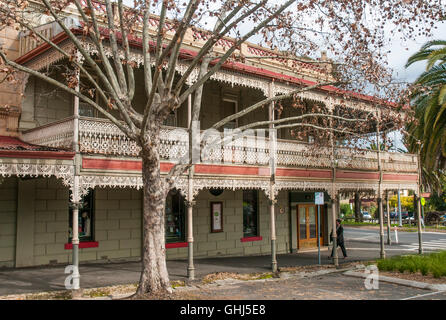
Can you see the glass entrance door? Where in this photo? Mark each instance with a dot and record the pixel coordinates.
(307, 225)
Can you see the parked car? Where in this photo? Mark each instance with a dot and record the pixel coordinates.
(407, 216)
(393, 214)
(366, 215)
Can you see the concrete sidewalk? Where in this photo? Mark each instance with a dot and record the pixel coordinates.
(38, 279)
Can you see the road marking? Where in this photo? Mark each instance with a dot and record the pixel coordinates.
(428, 245)
(423, 295)
(377, 249)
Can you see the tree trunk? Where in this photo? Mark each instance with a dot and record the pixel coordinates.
(154, 276)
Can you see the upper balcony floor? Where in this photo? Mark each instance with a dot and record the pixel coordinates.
(100, 137)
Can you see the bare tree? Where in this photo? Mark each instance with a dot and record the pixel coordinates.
(352, 31)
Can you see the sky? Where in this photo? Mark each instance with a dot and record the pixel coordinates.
(400, 51)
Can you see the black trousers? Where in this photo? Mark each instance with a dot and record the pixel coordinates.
(340, 244)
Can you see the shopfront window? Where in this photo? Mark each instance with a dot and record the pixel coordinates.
(250, 213)
(175, 213)
(85, 219)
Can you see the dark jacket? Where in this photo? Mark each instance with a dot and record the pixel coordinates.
(339, 235)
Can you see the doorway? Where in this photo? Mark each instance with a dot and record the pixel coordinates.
(307, 225)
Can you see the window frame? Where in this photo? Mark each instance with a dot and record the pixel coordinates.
(92, 209)
(182, 216)
(256, 197)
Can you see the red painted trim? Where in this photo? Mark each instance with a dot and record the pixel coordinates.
(131, 165)
(37, 154)
(176, 245)
(357, 175)
(249, 239)
(400, 177)
(88, 163)
(231, 170)
(165, 166)
(83, 245)
(303, 173)
(41, 48)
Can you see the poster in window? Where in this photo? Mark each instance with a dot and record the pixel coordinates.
(216, 216)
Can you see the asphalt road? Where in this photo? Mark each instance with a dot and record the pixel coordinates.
(407, 241)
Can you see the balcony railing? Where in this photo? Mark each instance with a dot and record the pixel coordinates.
(100, 136)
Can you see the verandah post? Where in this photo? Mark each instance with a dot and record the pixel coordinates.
(190, 202)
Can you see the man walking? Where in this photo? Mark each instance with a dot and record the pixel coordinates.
(339, 240)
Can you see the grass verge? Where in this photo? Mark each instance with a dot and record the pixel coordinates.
(428, 264)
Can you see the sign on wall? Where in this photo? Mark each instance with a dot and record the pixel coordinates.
(217, 216)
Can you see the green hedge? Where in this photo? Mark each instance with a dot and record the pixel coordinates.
(433, 263)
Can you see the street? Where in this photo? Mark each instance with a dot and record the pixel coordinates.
(361, 245)
(365, 239)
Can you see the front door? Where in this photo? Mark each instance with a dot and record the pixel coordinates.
(307, 225)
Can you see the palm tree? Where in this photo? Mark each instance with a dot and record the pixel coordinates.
(428, 133)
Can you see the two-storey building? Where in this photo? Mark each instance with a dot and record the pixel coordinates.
(40, 132)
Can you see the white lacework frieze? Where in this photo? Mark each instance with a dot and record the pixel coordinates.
(231, 184)
(51, 56)
(136, 182)
(56, 135)
(60, 171)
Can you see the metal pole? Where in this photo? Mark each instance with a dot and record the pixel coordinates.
(399, 209)
(420, 238)
(318, 234)
(418, 203)
(389, 241)
(381, 228)
(335, 251)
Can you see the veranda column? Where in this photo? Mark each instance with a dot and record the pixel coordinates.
(190, 224)
(190, 202)
(380, 203)
(389, 241)
(272, 200)
(76, 196)
(334, 194)
(75, 238)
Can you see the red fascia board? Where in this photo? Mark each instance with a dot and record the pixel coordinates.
(185, 53)
(357, 175)
(236, 170)
(83, 245)
(303, 173)
(400, 177)
(111, 164)
(62, 155)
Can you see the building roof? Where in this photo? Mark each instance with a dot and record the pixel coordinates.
(235, 66)
(14, 147)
